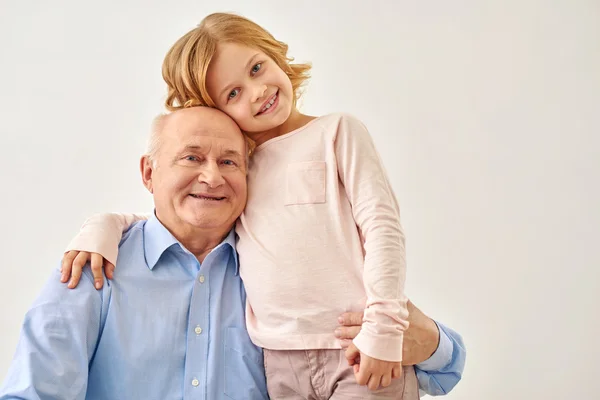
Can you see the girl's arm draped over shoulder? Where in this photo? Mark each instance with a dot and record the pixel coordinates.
(97, 240)
(377, 216)
(102, 233)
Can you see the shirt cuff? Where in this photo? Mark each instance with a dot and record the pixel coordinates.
(442, 355)
(382, 347)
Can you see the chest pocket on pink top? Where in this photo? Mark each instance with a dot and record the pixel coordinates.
(305, 183)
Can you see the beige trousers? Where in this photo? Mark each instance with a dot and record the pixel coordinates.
(325, 374)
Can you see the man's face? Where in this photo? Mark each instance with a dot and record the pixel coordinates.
(198, 177)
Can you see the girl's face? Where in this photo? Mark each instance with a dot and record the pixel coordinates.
(250, 87)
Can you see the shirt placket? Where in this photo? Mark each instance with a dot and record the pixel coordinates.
(196, 360)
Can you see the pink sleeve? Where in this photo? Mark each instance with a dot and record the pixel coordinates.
(377, 216)
(101, 233)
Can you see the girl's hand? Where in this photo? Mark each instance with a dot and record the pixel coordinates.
(420, 341)
(370, 371)
(73, 263)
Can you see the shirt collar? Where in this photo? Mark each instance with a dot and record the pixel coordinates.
(157, 240)
(230, 240)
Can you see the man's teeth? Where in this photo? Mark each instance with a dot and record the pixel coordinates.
(196, 196)
(269, 104)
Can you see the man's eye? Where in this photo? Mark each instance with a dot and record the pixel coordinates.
(233, 93)
(229, 162)
(256, 68)
(191, 158)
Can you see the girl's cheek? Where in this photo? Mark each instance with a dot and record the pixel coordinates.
(241, 113)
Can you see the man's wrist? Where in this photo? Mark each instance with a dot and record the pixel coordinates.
(442, 354)
(421, 338)
(433, 331)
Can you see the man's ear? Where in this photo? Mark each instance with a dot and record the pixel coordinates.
(147, 168)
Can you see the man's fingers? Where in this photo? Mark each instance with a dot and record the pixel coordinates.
(348, 332)
(67, 263)
(351, 319)
(78, 264)
(396, 372)
(410, 306)
(374, 382)
(109, 269)
(96, 263)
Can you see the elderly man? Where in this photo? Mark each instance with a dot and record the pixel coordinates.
(164, 328)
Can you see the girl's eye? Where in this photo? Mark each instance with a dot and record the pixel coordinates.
(256, 68)
(233, 93)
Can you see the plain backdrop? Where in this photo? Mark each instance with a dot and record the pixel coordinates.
(486, 113)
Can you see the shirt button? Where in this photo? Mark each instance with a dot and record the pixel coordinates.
(198, 330)
(195, 382)
(201, 278)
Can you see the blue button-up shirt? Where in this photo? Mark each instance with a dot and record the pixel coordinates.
(166, 327)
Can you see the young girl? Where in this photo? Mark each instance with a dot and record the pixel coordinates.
(321, 231)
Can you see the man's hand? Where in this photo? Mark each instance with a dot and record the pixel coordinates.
(421, 339)
(370, 371)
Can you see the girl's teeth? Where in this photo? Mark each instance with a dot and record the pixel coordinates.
(269, 104)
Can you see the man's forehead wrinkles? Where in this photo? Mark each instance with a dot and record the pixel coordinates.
(221, 148)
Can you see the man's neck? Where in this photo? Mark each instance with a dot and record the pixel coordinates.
(198, 241)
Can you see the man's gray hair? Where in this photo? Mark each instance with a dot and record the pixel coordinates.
(155, 140)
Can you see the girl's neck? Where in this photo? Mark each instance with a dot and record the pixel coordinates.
(295, 120)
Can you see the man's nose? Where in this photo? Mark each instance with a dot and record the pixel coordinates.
(211, 175)
(258, 92)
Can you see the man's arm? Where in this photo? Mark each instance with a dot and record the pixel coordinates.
(437, 352)
(58, 338)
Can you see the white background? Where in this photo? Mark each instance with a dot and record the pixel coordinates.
(487, 115)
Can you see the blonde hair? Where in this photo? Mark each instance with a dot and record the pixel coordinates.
(186, 64)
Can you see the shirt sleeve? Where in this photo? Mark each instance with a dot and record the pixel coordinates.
(102, 233)
(377, 217)
(57, 341)
(439, 374)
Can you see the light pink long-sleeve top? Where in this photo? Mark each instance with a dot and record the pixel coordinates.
(320, 235)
